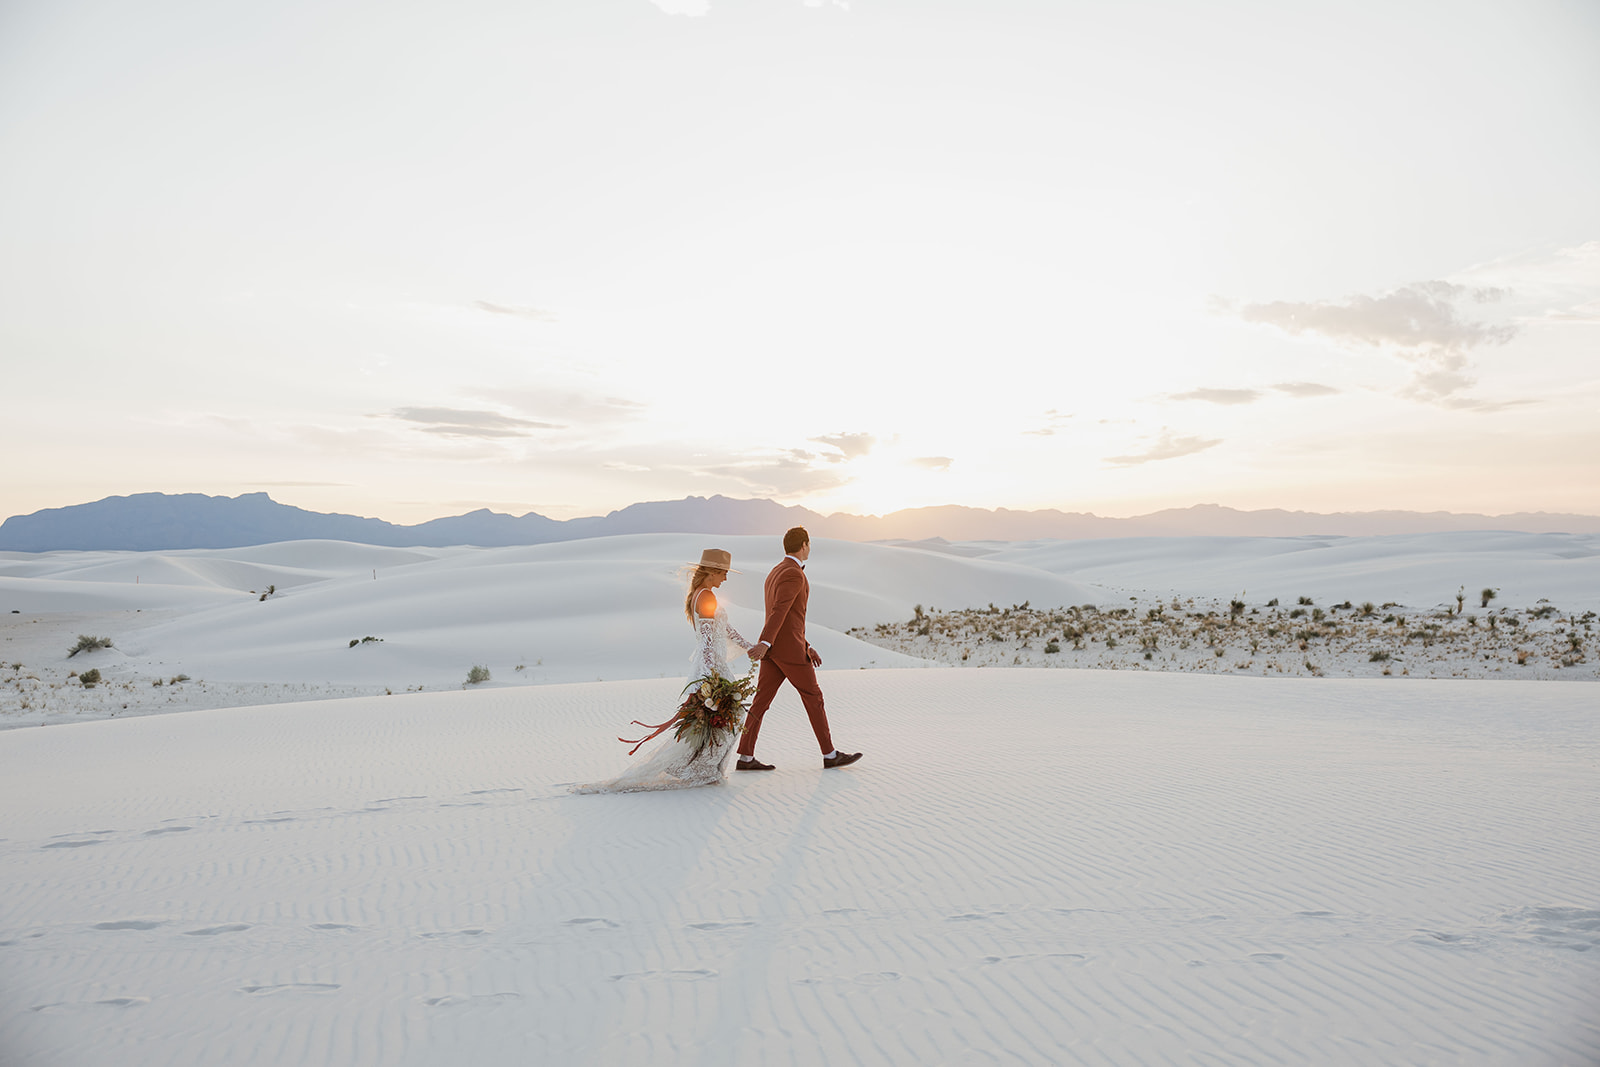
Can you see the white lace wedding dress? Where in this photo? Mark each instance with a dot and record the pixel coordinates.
(673, 764)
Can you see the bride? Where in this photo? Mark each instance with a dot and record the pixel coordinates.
(695, 756)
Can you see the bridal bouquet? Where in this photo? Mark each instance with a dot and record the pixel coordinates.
(710, 705)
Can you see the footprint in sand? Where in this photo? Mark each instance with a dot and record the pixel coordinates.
(332, 926)
(474, 932)
(1023, 957)
(864, 978)
(1577, 929)
(127, 924)
(456, 1000)
(730, 925)
(689, 975)
(299, 987)
(167, 830)
(1268, 957)
(279, 818)
(69, 844)
(111, 1002)
(213, 931)
(594, 924)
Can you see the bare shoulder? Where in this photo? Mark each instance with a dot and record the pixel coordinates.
(705, 604)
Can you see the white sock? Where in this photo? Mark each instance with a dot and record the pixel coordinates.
(832, 754)
(745, 759)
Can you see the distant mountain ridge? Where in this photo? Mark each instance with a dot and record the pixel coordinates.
(161, 521)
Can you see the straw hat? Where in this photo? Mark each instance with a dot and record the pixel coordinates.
(716, 559)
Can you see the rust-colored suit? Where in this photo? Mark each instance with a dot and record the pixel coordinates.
(788, 655)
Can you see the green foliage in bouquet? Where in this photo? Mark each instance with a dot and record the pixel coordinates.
(712, 705)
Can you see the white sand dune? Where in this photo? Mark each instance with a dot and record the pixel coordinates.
(1029, 866)
(605, 608)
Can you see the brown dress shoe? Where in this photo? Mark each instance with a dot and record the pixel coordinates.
(751, 765)
(843, 759)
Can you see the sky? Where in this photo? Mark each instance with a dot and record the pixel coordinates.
(409, 260)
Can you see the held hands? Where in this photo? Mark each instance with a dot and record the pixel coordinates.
(756, 651)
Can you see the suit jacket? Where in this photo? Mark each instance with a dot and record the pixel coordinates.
(785, 630)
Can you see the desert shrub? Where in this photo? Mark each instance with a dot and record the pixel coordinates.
(1235, 608)
(88, 644)
(176, 678)
(1053, 646)
(354, 641)
(1111, 642)
(1485, 596)
(158, 683)
(1346, 606)
(1296, 613)
(477, 674)
(1305, 601)
(90, 678)
(16, 666)
(1272, 603)
(1377, 657)
(1368, 608)
(1316, 615)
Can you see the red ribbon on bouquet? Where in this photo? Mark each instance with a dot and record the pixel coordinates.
(656, 732)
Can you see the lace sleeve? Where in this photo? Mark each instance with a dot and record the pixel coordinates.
(706, 656)
(733, 635)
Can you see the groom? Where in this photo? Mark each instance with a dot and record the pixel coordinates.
(785, 655)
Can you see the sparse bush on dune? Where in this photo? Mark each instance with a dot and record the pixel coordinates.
(1486, 595)
(1305, 601)
(88, 644)
(90, 678)
(477, 674)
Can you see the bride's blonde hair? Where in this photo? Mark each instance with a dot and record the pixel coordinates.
(697, 582)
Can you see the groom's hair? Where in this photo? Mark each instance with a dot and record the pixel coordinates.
(795, 539)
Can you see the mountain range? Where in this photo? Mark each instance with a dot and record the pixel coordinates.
(161, 521)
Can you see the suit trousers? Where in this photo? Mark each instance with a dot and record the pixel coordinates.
(801, 675)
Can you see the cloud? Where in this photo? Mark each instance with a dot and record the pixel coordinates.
(1421, 317)
(576, 409)
(1422, 323)
(1305, 389)
(536, 314)
(849, 445)
(1053, 421)
(934, 463)
(1167, 447)
(692, 8)
(1220, 396)
(788, 473)
(458, 422)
